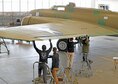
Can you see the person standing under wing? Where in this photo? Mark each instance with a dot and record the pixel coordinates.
(55, 64)
(43, 56)
(70, 51)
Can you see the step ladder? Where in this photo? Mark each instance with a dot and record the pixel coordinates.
(2, 42)
(115, 61)
(39, 80)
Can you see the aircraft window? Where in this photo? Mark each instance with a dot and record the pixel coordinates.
(61, 8)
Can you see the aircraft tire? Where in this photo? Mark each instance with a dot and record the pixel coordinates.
(62, 45)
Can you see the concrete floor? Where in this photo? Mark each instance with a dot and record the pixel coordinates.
(16, 68)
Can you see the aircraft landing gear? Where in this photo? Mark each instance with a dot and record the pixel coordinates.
(62, 45)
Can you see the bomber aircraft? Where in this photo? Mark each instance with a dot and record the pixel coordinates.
(62, 22)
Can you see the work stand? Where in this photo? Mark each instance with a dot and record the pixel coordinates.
(2, 42)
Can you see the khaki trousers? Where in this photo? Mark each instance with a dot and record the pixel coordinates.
(70, 59)
(54, 73)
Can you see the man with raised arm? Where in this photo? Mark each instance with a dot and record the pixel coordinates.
(43, 57)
